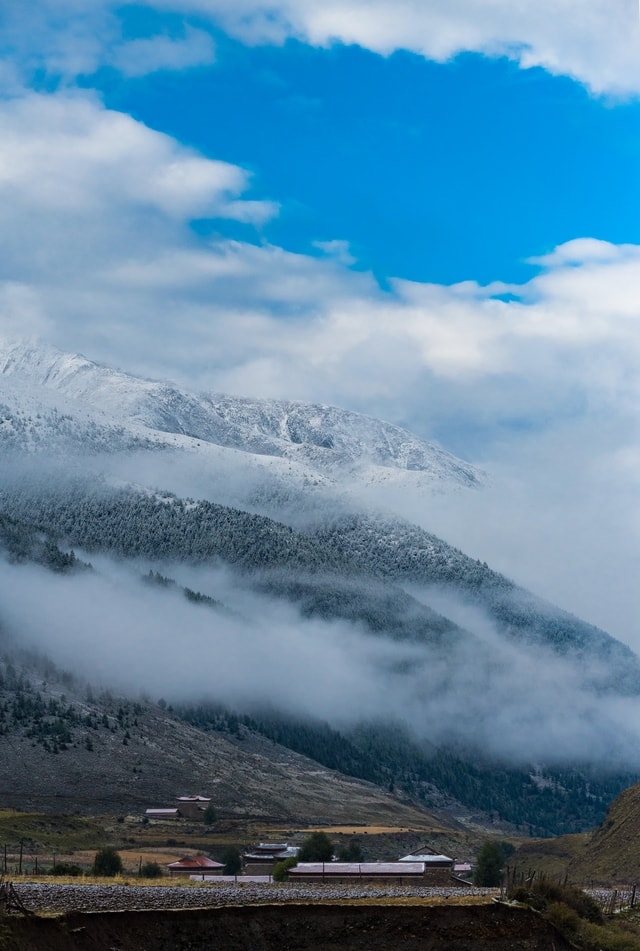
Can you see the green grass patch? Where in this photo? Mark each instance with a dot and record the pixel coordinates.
(52, 832)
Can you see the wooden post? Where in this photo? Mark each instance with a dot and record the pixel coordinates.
(20, 860)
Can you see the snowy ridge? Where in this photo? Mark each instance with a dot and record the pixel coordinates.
(324, 441)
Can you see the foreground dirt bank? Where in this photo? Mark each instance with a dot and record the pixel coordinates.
(487, 927)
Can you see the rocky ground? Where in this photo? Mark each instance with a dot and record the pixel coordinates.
(309, 918)
(64, 898)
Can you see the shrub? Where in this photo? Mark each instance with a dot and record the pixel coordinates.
(542, 893)
(68, 869)
(107, 863)
(564, 918)
(281, 869)
(151, 870)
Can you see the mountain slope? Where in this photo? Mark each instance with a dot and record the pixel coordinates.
(74, 749)
(298, 601)
(607, 854)
(353, 568)
(392, 549)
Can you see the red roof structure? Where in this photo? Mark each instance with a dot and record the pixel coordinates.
(195, 863)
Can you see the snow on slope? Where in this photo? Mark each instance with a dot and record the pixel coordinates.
(111, 409)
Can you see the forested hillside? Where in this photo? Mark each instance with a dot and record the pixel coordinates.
(325, 580)
(393, 549)
(351, 568)
(539, 802)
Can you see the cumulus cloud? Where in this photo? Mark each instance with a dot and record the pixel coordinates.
(85, 190)
(68, 154)
(596, 44)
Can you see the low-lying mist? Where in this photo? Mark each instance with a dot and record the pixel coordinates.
(114, 628)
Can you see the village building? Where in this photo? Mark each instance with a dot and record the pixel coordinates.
(430, 857)
(262, 857)
(425, 866)
(192, 807)
(187, 807)
(345, 873)
(197, 866)
(162, 814)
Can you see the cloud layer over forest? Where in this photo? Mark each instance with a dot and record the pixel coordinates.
(114, 629)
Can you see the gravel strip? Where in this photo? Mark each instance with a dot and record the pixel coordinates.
(62, 898)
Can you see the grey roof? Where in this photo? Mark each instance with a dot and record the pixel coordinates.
(429, 858)
(358, 868)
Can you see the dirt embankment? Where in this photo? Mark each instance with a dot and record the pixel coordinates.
(289, 928)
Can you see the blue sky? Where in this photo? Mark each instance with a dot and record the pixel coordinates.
(431, 171)
(424, 212)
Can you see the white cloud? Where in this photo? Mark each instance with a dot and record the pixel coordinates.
(69, 155)
(337, 249)
(150, 54)
(95, 243)
(65, 38)
(264, 652)
(596, 43)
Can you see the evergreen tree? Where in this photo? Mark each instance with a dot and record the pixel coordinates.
(209, 816)
(489, 863)
(232, 860)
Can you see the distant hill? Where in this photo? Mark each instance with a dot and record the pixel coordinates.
(609, 854)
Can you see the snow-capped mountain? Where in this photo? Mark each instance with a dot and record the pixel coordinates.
(52, 398)
(236, 534)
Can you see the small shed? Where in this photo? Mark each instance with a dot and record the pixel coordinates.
(198, 865)
(162, 814)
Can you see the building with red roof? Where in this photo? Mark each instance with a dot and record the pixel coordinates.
(196, 865)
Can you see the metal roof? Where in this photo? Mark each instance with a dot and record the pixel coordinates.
(429, 858)
(358, 868)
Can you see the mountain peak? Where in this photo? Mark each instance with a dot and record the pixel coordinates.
(327, 440)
